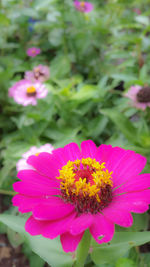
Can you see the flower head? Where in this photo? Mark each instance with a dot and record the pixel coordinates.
(74, 189)
(140, 96)
(33, 51)
(26, 93)
(22, 163)
(83, 6)
(137, 11)
(40, 73)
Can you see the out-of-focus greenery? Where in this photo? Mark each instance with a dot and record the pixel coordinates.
(93, 59)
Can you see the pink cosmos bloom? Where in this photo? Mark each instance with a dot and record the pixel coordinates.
(22, 163)
(33, 51)
(83, 6)
(40, 73)
(26, 93)
(140, 96)
(74, 189)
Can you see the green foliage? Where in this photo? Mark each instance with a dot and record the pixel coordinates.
(93, 58)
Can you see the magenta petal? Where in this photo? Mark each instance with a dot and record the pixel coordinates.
(45, 164)
(134, 202)
(72, 152)
(118, 216)
(26, 204)
(70, 242)
(52, 210)
(102, 227)
(81, 223)
(33, 177)
(135, 183)
(103, 153)
(121, 162)
(131, 164)
(58, 155)
(88, 149)
(35, 189)
(34, 227)
(54, 228)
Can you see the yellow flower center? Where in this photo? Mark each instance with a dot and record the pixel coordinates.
(31, 91)
(82, 4)
(33, 51)
(85, 181)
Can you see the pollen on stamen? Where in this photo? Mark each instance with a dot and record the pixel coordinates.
(86, 184)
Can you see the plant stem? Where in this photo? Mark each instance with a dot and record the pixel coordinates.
(7, 192)
(83, 249)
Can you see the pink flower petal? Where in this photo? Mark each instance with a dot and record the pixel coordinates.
(102, 227)
(49, 229)
(118, 215)
(34, 177)
(131, 163)
(55, 228)
(81, 223)
(45, 164)
(58, 155)
(70, 242)
(121, 162)
(134, 202)
(135, 183)
(72, 152)
(103, 153)
(34, 227)
(52, 210)
(26, 204)
(88, 149)
(35, 189)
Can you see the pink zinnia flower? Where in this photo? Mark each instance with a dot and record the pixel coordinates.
(140, 96)
(137, 11)
(40, 73)
(83, 6)
(33, 51)
(22, 163)
(74, 189)
(26, 93)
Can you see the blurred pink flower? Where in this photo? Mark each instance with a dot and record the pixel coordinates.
(40, 73)
(137, 11)
(140, 96)
(33, 51)
(83, 6)
(78, 188)
(26, 93)
(22, 163)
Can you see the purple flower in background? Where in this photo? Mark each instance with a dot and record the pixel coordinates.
(140, 96)
(26, 93)
(40, 73)
(31, 22)
(33, 51)
(84, 7)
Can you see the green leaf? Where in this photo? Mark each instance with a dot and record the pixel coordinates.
(49, 250)
(120, 244)
(124, 262)
(122, 123)
(60, 67)
(85, 92)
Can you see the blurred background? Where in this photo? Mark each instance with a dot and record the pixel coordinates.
(94, 59)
